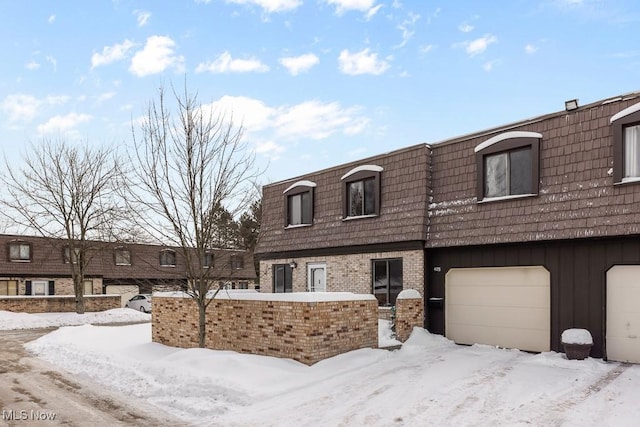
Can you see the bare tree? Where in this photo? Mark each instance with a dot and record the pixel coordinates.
(190, 163)
(65, 192)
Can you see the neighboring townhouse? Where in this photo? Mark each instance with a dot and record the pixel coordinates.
(534, 228)
(40, 266)
(359, 227)
(529, 229)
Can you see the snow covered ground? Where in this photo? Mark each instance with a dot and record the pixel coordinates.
(10, 320)
(430, 381)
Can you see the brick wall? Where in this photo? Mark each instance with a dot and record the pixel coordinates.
(301, 330)
(409, 314)
(57, 304)
(348, 273)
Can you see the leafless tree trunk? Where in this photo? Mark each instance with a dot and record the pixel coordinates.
(189, 162)
(65, 192)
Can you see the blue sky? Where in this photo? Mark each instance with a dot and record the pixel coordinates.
(316, 82)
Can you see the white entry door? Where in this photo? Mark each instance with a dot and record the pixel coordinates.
(39, 288)
(623, 313)
(317, 277)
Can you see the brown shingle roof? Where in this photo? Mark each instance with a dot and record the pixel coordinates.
(404, 198)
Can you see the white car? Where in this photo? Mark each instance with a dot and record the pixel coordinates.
(140, 302)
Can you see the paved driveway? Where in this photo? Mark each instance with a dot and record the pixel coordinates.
(32, 392)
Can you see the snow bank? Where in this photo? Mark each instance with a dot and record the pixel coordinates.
(294, 296)
(10, 320)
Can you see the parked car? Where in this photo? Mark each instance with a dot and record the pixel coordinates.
(140, 302)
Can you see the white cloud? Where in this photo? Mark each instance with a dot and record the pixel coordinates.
(479, 45)
(365, 6)
(224, 63)
(269, 6)
(32, 65)
(63, 124)
(142, 16)
(23, 108)
(362, 62)
(105, 96)
(488, 66)
(269, 148)
(157, 55)
(51, 19)
(299, 64)
(426, 48)
(465, 28)
(51, 60)
(110, 54)
(317, 120)
(310, 119)
(371, 12)
(406, 27)
(530, 49)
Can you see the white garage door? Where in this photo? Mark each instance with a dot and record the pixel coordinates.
(125, 292)
(623, 313)
(507, 307)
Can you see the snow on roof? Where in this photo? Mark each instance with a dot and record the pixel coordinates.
(372, 168)
(294, 296)
(303, 183)
(409, 294)
(629, 110)
(506, 135)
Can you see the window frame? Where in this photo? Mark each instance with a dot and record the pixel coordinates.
(19, 243)
(208, 260)
(362, 174)
(287, 276)
(88, 282)
(506, 143)
(619, 122)
(5, 286)
(121, 250)
(236, 262)
(66, 255)
(300, 188)
(167, 251)
(388, 284)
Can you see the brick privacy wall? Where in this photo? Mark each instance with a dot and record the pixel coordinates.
(58, 304)
(304, 331)
(409, 314)
(576, 198)
(348, 273)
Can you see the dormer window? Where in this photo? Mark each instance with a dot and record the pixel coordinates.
(237, 262)
(71, 255)
(299, 204)
(361, 192)
(19, 252)
(122, 256)
(626, 144)
(508, 166)
(208, 260)
(167, 258)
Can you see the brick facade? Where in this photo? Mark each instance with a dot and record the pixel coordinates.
(57, 304)
(348, 273)
(409, 314)
(304, 331)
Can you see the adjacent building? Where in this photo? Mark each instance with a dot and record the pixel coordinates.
(40, 266)
(512, 234)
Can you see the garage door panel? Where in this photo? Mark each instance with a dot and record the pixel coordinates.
(516, 317)
(507, 307)
(529, 340)
(623, 313)
(502, 296)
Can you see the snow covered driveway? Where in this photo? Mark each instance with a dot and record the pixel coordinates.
(430, 381)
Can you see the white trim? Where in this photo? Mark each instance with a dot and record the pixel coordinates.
(297, 226)
(506, 135)
(349, 218)
(509, 197)
(625, 112)
(303, 183)
(372, 168)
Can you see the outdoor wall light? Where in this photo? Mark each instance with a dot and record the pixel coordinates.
(293, 264)
(571, 105)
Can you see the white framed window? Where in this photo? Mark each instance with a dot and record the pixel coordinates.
(19, 252)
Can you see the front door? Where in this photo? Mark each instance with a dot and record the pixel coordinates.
(40, 288)
(317, 277)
